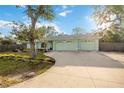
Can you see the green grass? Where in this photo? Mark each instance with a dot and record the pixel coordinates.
(14, 66)
(9, 66)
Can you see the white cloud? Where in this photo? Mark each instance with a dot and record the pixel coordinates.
(5, 27)
(8, 24)
(57, 29)
(64, 13)
(64, 7)
(4, 24)
(23, 6)
(67, 6)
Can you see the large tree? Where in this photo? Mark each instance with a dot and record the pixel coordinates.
(35, 13)
(42, 33)
(108, 13)
(111, 16)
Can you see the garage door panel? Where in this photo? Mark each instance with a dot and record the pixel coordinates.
(65, 46)
(91, 45)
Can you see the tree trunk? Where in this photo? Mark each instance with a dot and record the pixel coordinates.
(33, 52)
(32, 40)
(32, 32)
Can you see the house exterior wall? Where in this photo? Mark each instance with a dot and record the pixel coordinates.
(70, 45)
(28, 46)
(37, 45)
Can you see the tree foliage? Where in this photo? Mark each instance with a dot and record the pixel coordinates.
(22, 32)
(35, 13)
(112, 35)
(113, 15)
(105, 14)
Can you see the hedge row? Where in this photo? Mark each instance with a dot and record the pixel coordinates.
(13, 48)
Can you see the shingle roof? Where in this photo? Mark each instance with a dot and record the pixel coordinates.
(71, 37)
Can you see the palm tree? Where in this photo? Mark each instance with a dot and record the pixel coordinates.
(35, 13)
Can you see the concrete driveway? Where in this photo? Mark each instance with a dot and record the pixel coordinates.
(79, 69)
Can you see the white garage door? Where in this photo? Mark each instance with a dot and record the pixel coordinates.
(65, 45)
(76, 45)
(89, 45)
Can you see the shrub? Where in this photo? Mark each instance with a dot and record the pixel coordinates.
(14, 57)
(12, 47)
(3, 48)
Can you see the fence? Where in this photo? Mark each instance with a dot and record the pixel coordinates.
(107, 46)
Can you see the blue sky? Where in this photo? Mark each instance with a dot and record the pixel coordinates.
(67, 17)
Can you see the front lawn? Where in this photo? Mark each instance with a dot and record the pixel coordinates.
(17, 67)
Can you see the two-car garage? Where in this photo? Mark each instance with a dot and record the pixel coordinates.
(75, 45)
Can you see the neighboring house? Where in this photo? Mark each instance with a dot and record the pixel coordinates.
(71, 43)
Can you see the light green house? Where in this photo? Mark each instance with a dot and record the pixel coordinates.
(38, 44)
(86, 42)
